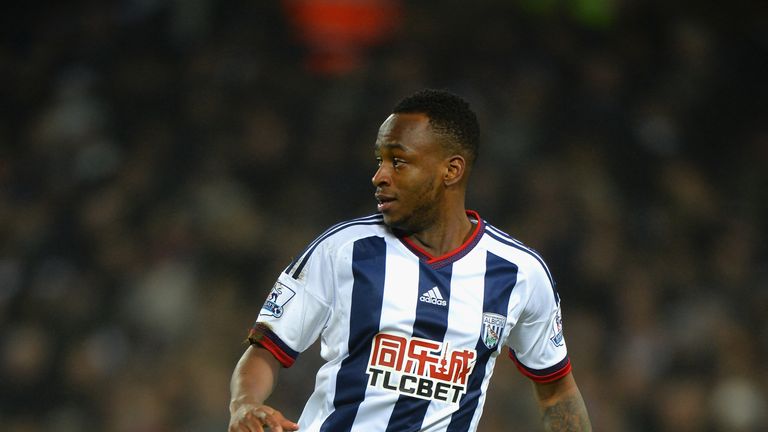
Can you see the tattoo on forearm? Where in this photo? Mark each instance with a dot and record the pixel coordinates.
(567, 415)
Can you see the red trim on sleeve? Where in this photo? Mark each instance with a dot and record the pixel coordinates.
(548, 376)
(263, 340)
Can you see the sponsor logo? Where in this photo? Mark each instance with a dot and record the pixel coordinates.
(557, 329)
(493, 326)
(419, 368)
(278, 297)
(433, 296)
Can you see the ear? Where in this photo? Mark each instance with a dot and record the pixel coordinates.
(455, 170)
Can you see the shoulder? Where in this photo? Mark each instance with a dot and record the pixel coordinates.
(352, 229)
(527, 259)
(338, 235)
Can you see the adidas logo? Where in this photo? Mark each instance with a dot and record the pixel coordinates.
(433, 296)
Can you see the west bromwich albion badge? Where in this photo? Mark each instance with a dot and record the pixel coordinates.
(493, 326)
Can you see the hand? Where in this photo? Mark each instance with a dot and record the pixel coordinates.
(249, 418)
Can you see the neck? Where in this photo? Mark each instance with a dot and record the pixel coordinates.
(446, 235)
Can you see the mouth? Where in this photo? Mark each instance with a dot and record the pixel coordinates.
(384, 202)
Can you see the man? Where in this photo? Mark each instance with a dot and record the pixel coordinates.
(414, 304)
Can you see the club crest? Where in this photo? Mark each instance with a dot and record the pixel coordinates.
(278, 297)
(493, 326)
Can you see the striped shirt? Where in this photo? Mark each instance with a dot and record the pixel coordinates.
(410, 340)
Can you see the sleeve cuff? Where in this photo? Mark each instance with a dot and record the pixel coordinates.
(263, 336)
(549, 374)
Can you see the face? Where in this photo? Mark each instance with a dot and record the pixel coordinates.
(409, 178)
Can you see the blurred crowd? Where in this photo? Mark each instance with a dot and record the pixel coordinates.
(161, 162)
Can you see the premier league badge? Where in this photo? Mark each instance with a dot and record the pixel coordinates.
(557, 329)
(278, 297)
(493, 326)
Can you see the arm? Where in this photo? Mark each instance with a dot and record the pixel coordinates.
(252, 382)
(562, 406)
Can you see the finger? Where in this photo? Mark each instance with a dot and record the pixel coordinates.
(290, 426)
(261, 420)
(286, 424)
(265, 411)
(253, 422)
(242, 426)
(249, 427)
(283, 423)
(237, 428)
(271, 422)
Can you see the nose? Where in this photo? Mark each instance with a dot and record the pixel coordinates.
(381, 176)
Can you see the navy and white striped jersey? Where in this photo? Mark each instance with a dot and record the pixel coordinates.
(410, 340)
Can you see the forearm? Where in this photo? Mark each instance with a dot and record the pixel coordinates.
(252, 382)
(562, 406)
(253, 379)
(566, 414)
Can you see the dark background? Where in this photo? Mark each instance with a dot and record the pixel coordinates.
(162, 161)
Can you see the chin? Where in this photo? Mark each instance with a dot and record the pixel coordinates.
(393, 222)
(402, 227)
(390, 221)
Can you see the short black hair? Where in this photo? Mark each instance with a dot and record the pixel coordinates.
(449, 116)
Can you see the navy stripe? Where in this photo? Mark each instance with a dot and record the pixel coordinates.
(431, 323)
(509, 241)
(369, 220)
(500, 279)
(368, 270)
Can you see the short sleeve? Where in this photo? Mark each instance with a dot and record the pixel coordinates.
(296, 309)
(536, 343)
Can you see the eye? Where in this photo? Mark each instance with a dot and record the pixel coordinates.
(396, 163)
(378, 161)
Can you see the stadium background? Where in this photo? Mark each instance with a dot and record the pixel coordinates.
(161, 161)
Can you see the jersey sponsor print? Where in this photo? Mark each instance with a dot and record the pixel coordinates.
(419, 367)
